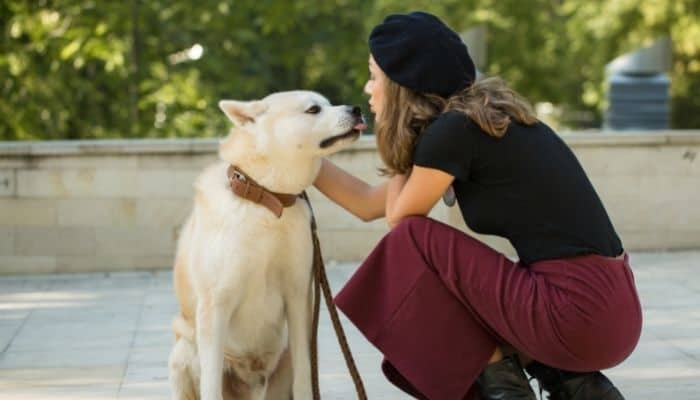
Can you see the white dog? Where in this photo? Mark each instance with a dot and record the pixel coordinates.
(242, 274)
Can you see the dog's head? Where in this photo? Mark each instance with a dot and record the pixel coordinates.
(281, 139)
(295, 124)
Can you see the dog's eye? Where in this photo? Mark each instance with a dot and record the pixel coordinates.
(313, 110)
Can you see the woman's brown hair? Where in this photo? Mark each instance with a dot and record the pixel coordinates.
(489, 102)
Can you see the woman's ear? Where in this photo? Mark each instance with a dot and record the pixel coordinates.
(242, 112)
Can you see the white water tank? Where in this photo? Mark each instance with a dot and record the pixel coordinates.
(638, 89)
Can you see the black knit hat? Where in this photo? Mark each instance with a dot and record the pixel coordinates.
(420, 52)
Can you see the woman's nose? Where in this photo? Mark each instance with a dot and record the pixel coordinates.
(368, 88)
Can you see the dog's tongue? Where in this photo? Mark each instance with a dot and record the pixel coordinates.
(360, 126)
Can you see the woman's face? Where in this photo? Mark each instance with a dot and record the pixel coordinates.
(375, 88)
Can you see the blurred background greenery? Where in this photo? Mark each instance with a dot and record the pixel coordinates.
(152, 68)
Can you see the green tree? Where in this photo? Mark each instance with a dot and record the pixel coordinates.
(98, 69)
(89, 69)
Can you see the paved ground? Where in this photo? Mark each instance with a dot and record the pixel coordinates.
(106, 336)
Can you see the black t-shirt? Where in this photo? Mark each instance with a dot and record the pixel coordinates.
(527, 187)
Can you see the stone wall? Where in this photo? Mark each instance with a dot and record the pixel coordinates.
(118, 205)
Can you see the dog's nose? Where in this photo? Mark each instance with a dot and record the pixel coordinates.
(355, 110)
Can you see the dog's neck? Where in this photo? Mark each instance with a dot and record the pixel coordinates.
(244, 186)
(270, 171)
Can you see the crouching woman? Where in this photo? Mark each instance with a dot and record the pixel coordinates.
(454, 318)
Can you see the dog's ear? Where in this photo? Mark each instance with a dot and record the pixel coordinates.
(242, 112)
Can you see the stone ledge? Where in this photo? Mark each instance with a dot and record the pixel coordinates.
(632, 138)
(367, 142)
(103, 147)
(127, 146)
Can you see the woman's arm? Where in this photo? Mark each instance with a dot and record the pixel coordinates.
(365, 201)
(394, 188)
(416, 194)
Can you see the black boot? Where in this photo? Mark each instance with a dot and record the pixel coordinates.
(566, 385)
(505, 380)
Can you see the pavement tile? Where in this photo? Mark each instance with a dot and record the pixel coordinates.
(155, 390)
(673, 323)
(689, 346)
(8, 329)
(152, 339)
(52, 377)
(70, 344)
(151, 356)
(62, 358)
(87, 392)
(146, 373)
(75, 335)
(667, 388)
(107, 336)
(11, 315)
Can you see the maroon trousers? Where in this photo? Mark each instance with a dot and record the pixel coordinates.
(437, 302)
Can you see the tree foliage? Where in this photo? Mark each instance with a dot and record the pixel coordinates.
(98, 69)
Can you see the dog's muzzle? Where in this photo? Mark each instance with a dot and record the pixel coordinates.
(353, 133)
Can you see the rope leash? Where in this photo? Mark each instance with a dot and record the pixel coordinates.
(321, 281)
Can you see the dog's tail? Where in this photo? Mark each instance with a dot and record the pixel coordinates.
(183, 329)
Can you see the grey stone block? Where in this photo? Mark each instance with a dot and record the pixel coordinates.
(134, 241)
(52, 241)
(19, 264)
(27, 212)
(7, 240)
(7, 183)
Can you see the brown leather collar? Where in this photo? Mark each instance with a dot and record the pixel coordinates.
(244, 186)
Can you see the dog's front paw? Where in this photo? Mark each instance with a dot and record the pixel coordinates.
(211, 395)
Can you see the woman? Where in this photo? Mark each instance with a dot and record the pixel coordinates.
(452, 316)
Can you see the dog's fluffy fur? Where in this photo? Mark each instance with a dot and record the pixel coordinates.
(243, 276)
